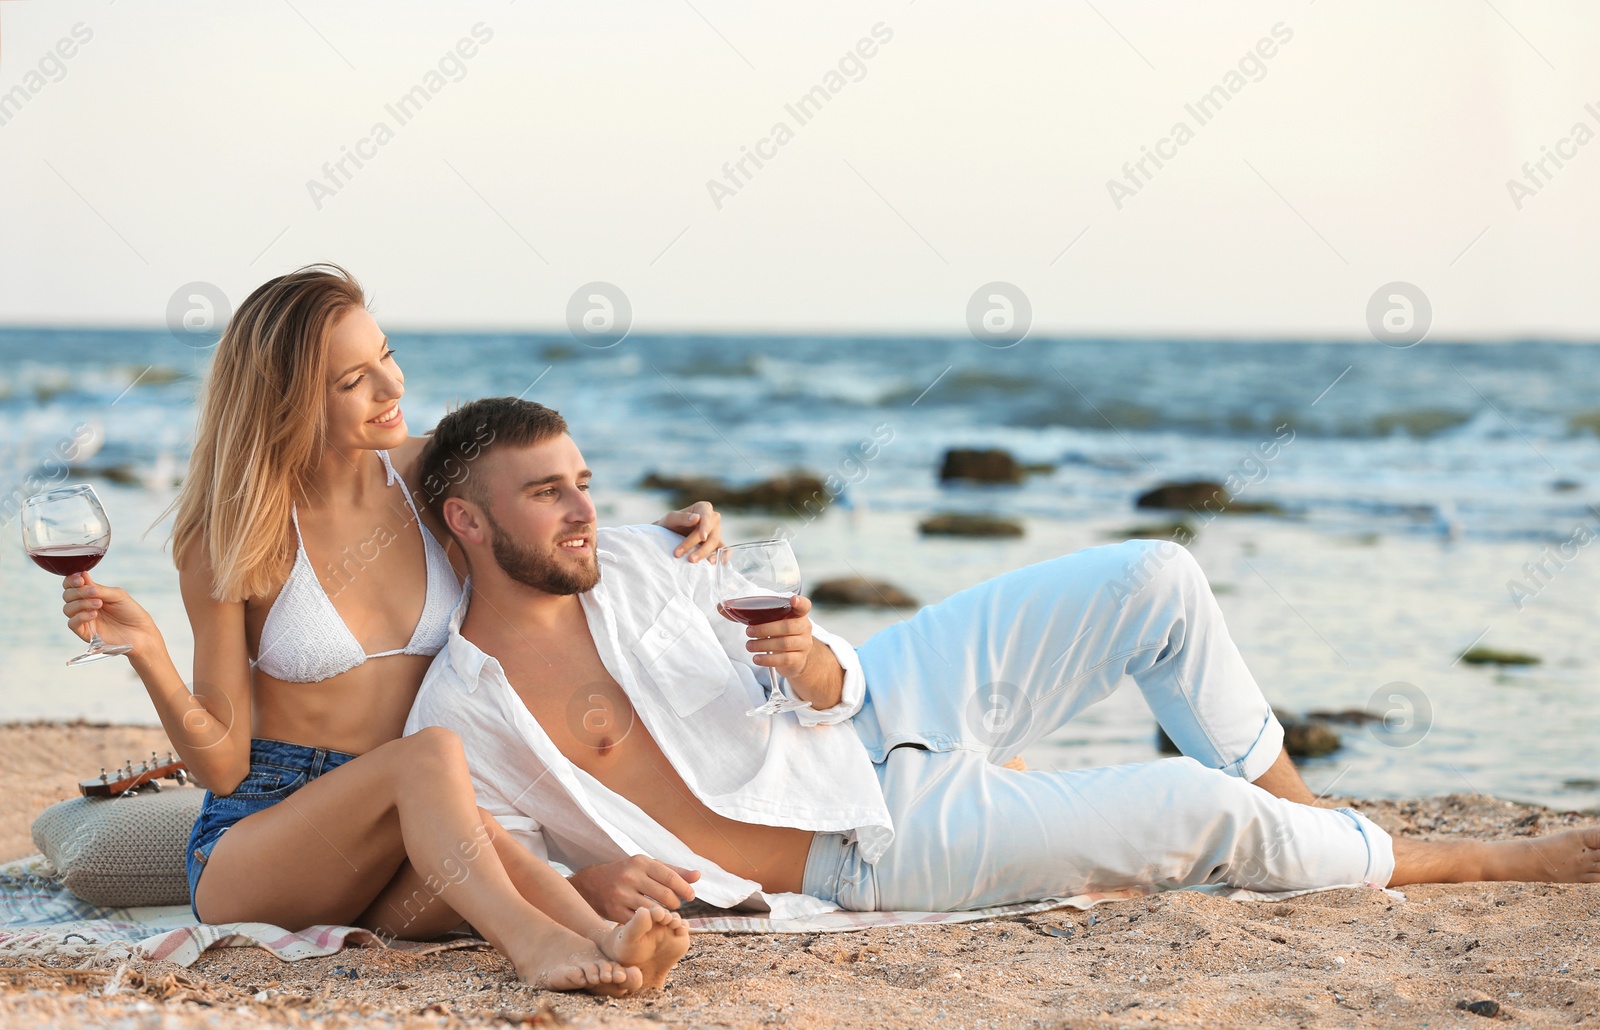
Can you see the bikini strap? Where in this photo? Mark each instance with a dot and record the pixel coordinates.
(393, 476)
(389, 468)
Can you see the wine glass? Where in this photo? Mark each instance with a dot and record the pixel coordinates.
(66, 531)
(756, 584)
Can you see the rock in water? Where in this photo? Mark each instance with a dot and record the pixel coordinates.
(1203, 495)
(1309, 740)
(956, 524)
(857, 591)
(1348, 716)
(1195, 494)
(1178, 531)
(1301, 739)
(1489, 656)
(797, 494)
(980, 466)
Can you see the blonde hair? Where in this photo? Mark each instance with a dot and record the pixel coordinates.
(262, 428)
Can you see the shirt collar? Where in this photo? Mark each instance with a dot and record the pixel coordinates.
(466, 658)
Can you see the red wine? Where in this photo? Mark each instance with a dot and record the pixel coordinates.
(67, 561)
(756, 611)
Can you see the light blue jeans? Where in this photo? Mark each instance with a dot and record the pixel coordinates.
(966, 684)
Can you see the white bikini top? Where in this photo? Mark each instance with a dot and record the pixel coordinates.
(304, 640)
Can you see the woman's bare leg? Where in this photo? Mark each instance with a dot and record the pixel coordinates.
(325, 852)
(654, 939)
(1572, 856)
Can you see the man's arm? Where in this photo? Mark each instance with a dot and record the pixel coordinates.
(831, 672)
(822, 667)
(618, 889)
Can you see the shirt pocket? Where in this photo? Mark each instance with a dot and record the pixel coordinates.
(682, 657)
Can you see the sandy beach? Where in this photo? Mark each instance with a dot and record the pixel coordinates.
(1340, 958)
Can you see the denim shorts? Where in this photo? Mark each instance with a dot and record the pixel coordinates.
(277, 769)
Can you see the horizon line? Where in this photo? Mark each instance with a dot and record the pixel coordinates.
(843, 334)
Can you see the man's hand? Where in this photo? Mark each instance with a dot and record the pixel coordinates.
(787, 647)
(700, 525)
(784, 646)
(617, 889)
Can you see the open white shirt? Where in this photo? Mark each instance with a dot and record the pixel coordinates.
(690, 679)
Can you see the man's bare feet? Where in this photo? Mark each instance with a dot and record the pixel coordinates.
(653, 941)
(1572, 856)
(560, 960)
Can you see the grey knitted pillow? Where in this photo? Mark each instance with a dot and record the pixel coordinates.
(122, 852)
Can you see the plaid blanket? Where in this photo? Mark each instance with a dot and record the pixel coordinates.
(40, 918)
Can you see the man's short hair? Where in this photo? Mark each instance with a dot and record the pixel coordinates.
(465, 435)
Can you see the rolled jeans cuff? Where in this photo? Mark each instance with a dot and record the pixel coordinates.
(836, 874)
(1380, 848)
(1255, 762)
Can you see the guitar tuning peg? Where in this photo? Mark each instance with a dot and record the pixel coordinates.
(103, 777)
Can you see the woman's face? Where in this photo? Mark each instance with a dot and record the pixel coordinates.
(364, 386)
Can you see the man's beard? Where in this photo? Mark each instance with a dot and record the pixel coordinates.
(540, 569)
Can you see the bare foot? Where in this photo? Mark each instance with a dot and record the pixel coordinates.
(569, 963)
(653, 940)
(1572, 856)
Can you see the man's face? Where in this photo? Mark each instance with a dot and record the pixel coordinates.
(540, 515)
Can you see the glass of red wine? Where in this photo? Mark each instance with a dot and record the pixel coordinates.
(757, 584)
(66, 531)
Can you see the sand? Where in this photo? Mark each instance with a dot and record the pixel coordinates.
(1340, 958)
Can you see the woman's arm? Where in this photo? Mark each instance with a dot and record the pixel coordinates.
(209, 727)
(700, 526)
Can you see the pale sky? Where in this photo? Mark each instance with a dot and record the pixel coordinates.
(974, 145)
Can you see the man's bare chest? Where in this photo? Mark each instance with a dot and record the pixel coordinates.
(581, 707)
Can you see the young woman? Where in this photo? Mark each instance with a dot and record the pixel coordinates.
(298, 542)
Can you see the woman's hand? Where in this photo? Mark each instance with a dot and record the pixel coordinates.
(91, 607)
(700, 525)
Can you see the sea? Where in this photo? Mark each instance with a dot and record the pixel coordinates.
(1420, 502)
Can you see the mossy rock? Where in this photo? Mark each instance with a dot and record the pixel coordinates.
(980, 466)
(799, 494)
(1419, 423)
(1347, 716)
(1301, 739)
(1489, 656)
(1191, 494)
(958, 524)
(1178, 531)
(1585, 421)
(1310, 740)
(860, 592)
(1203, 495)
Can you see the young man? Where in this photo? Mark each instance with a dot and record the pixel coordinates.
(602, 702)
